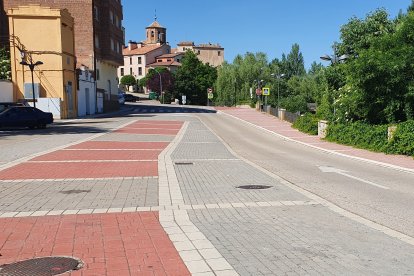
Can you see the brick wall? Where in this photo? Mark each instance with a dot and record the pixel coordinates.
(82, 11)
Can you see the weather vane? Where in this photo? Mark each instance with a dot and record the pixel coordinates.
(155, 15)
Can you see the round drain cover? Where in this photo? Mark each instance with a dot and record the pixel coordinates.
(45, 266)
(254, 187)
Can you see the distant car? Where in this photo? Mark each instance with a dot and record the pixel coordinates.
(25, 116)
(121, 98)
(130, 98)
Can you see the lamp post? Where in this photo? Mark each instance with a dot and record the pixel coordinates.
(235, 93)
(32, 66)
(162, 94)
(278, 77)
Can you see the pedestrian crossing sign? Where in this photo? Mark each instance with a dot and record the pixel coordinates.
(266, 91)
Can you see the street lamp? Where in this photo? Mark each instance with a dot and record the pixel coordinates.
(278, 77)
(334, 58)
(162, 94)
(32, 66)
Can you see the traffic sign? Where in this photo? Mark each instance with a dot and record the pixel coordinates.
(184, 99)
(258, 91)
(266, 91)
(210, 96)
(210, 90)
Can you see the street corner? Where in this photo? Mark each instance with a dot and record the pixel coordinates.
(108, 244)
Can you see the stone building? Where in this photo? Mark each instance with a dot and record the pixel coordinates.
(212, 54)
(99, 40)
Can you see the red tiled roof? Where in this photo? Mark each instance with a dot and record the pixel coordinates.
(169, 63)
(186, 43)
(170, 55)
(140, 51)
(155, 24)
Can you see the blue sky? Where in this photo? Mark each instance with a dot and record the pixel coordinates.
(240, 26)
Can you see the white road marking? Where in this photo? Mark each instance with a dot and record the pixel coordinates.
(344, 173)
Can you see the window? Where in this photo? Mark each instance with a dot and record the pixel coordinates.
(219, 53)
(96, 41)
(139, 71)
(152, 34)
(159, 60)
(168, 59)
(112, 45)
(122, 71)
(130, 71)
(198, 52)
(130, 60)
(116, 21)
(97, 74)
(111, 17)
(178, 60)
(95, 13)
(68, 60)
(139, 60)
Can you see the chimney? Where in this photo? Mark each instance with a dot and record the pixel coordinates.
(132, 45)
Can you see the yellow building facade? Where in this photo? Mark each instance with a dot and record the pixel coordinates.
(47, 35)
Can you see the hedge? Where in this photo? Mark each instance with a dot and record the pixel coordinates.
(374, 137)
(307, 123)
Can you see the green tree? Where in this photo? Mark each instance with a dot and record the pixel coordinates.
(5, 68)
(295, 64)
(128, 80)
(193, 78)
(358, 34)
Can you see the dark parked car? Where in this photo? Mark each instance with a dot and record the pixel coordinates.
(130, 98)
(4, 105)
(25, 116)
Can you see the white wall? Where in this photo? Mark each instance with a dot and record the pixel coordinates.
(86, 103)
(107, 72)
(49, 105)
(6, 91)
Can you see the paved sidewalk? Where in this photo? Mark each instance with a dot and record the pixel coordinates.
(283, 128)
(96, 201)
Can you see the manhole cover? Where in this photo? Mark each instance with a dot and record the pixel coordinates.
(254, 187)
(46, 266)
(184, 163)
(70, 192)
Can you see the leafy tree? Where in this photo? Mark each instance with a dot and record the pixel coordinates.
(128, 80)
(5, 68)
(294, 62)
(193, 78)
(153, 80)
(358, 34)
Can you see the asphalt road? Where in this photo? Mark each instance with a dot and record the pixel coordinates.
(379, 194)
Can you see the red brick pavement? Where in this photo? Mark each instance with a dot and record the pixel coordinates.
(120, 145)
(151, 122)
(148, 125)
(155, 131)
(59, 170)
(284, 128)
(68, 155)
(109, 244)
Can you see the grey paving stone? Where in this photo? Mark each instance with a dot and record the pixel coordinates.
(301, 240)
(28, 196)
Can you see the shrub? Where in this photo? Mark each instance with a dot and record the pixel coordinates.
(307, 123)
(403, 139)
(358, 134)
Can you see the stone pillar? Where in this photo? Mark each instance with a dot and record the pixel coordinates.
(391, 132)
(322, 126)
(282, 114)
